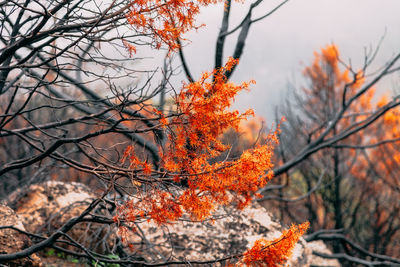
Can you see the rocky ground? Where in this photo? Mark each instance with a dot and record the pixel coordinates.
(42, 208)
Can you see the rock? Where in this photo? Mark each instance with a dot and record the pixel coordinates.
(38, 204)
(45, 207)
(12, 241)
(231, 234)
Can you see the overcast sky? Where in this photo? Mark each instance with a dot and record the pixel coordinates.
(280, 46)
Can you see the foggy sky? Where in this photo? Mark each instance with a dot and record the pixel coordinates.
(279, 47)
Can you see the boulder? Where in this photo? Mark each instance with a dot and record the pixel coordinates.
(230, 233)
(12, 241)
(45, 207)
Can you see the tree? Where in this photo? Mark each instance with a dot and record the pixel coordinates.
(348, 186)
(57, 118)
(60, 62)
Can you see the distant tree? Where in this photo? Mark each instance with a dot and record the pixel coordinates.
(350, 184)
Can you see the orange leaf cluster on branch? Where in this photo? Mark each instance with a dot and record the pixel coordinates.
(202, 115)
(163, 21)
(276, 252)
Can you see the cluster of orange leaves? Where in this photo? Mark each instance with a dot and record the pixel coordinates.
(276, 252)
(386, 157)
(193, 141)
(163, 21)
(202, 116)
(327, 82)
(327, 85)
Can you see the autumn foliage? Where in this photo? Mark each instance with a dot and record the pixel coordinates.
(201, 115)
(359, 191)
(276, 252)
(381, 139)
(163, 21)
(77, 104)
